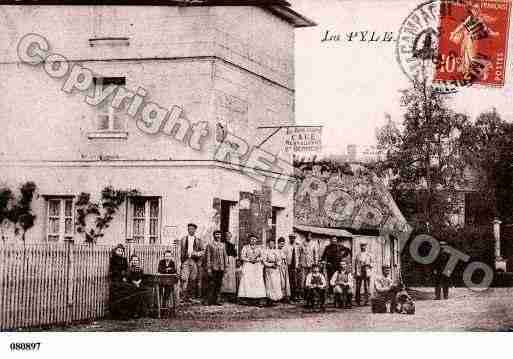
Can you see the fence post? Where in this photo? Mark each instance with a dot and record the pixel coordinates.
(70, 279)
(24, 279)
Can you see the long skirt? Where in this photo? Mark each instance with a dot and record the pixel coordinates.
(229, 279)
(119, 299)
(126, 300)
(273, 284)
(285, 281)
(252, 281)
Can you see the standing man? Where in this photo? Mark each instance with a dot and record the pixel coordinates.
(332, 256)
(345, 253)
(442, 282)
(363, 264)
(292, 257)
(192, 251)
(308, 257)
(216, 263)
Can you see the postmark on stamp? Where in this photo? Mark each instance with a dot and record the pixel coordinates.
(417, 45)
(473, 41)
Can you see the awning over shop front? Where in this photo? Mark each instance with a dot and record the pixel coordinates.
(333, 232)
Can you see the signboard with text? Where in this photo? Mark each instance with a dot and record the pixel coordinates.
(303, 139)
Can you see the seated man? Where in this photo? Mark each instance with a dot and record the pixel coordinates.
(166, 266)
(315, 285)
(342, 283)
(384, 291)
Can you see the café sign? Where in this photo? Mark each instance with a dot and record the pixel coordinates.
(303, 139)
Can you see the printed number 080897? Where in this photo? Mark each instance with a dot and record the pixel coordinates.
(25, 346)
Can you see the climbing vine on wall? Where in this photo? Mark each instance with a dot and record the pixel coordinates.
(104, 211)
(18, 210)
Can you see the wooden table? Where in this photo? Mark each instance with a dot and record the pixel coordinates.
(157, 281)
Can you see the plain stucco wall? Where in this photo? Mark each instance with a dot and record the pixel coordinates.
(212, 61)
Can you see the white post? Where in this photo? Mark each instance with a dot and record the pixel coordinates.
(497, 237)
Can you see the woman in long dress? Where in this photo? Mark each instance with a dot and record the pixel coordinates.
(119, 289)
(229, 286)
(252, 286)
(272, 261)
(284, 270)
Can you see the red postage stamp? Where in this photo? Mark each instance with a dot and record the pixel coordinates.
(473, 42)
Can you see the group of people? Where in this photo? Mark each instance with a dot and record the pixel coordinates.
(261, 276)
(127, 294)
(208, 270)
(280, 272)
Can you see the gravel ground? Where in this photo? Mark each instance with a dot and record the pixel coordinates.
(465, 310)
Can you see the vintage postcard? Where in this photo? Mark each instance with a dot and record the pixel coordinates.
(255, 165)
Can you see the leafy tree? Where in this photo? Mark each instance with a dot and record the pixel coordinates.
(18, 211)
(6, 198)
(424, 161)
(490, 150)
(22, 209)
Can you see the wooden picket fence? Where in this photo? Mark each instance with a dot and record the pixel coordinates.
(59, 283)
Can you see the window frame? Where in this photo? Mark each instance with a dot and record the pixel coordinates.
(130, 219)
(62, 217)
(111, 132)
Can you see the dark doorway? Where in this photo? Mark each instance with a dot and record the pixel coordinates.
(274, 221)
(225, 215)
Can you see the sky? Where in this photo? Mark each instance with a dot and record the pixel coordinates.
(349, 86)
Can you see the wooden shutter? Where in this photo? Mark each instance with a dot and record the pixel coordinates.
(129, 219)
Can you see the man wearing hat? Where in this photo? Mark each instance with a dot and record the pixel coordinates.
(292, 256)
(442, 282)
(216, 260)
(192, 251)
(308, 256)
(363, 266)
(333, 254)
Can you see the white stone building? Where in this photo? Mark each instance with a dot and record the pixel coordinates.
(227, 64)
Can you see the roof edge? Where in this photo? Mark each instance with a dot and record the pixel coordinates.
(151, 2)
(280, 8)
(291, 16)
(326, 231)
